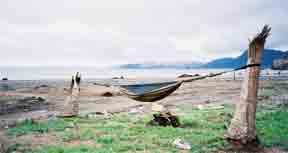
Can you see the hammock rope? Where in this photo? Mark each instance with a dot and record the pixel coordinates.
(220, 73)
(151, 92)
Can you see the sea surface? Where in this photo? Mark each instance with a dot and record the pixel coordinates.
(44, 73)
(39, 73)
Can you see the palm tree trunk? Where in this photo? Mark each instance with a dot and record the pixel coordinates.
(243, 126)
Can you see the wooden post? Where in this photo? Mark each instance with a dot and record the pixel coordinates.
(71, 106)
(4, 143)
(243, 126)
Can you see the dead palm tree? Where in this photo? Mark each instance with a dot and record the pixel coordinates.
(243, 126)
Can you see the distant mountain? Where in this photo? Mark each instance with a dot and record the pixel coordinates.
(162, 66)
(267, 60)
(269, 55)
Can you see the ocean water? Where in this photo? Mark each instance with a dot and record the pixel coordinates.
(47, 73)
(43, 73)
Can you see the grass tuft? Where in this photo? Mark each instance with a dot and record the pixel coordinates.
(28, 126)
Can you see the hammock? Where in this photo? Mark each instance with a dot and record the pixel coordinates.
(151, 92)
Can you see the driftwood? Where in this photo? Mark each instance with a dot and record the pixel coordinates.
(71, 106)
(243, 126)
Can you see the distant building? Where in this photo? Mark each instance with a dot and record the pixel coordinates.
(280, 64)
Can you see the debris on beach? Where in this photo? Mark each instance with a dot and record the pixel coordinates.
(187, 75)
(210, 107)
(118, 77)
(165, 119)
(136, 110)
(32, 99)
(182, 144)
(14, 105)
(98, 115)
(107, 94)
(5, 79)
(43, 116)
(41, 86)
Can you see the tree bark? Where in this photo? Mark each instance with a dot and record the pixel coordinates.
(71, 106)
(243, 125)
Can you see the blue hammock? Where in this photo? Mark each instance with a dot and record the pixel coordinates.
(151, 92)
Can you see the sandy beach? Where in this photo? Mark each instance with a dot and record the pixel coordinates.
(49, 95)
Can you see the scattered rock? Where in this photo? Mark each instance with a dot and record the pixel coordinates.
(40, 99)
(32, 99)
(118, 77)
(182, 144)
(93, 115)
(136, 110)
(23, 104)
(188, 75)
(209, 107)
(4, 79)
(43, 86)
(207, 102)
(101, 84)
(165, 119)
(107, 94)
(44, 116)
(7, 124)
(212, 74)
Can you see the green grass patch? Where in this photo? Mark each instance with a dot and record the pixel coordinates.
(129, 133)
(272, 128)
(267, 92)
(125, 133)
(28, 126)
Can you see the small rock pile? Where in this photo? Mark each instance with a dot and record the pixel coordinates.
(165, 119)
(23, 104)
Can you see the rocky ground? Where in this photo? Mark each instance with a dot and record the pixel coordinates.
(21, 98)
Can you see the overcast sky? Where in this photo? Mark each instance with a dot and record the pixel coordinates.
(107, 32)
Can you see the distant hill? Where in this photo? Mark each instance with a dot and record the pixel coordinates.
(269, 55)
(162, 66)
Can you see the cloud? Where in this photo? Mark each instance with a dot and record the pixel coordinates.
(75, 32)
